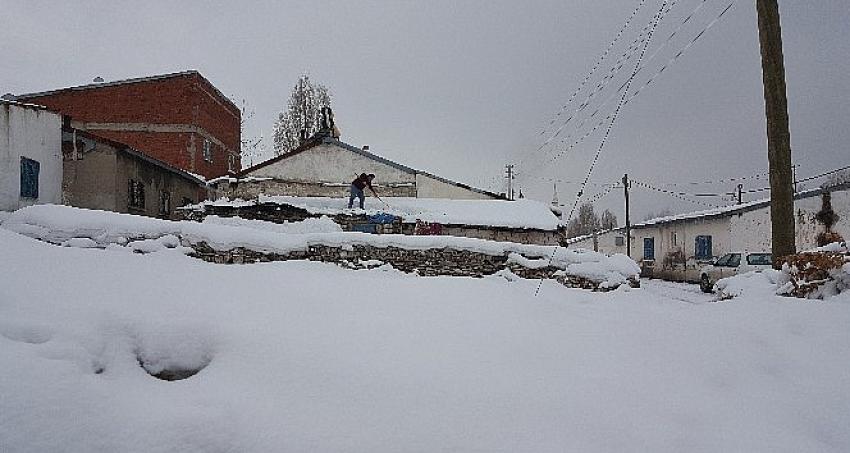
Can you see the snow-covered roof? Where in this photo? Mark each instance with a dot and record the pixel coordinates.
(722, 211)
(527, 214)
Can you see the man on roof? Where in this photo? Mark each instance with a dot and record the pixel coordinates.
(363, 181)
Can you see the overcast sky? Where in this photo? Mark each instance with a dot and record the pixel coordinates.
(463, 88)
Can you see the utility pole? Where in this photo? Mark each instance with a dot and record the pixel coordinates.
(778, 135)
(509, 170)
(628, 222)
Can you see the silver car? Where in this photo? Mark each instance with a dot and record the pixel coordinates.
(732, 264)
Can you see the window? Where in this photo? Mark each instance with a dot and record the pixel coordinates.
(734, 260)
(208, 151)
(29, 177)
(759, 259)
(674, 238)
(702, 247)
(231, 162)
(136, 195)
(723, 260)
(649, 248)
(186, 201)
(164, 203)
(619, 241)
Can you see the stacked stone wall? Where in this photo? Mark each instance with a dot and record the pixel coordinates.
(428, 262)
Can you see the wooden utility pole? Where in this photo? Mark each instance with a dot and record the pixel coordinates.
(778, 135)
(628, 222)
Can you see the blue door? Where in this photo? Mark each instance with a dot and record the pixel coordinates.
(649, 248)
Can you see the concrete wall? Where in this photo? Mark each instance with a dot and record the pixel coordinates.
(428, 187)
(35, 134)
(328, 163)
(247, 190)
(90, 178)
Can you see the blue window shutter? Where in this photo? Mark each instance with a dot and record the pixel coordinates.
(649, 248)
(702, 247)
(29, 178)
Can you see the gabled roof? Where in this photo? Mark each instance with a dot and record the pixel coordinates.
(319, 139)
(152, 78)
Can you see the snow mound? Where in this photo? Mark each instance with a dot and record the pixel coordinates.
(58, 224)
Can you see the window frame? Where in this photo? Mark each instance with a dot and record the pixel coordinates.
(136, 195)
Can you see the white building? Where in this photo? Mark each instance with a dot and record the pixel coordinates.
(676, 246)
(30, 155)
(324, 167)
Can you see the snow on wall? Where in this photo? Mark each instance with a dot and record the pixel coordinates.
(36, 134)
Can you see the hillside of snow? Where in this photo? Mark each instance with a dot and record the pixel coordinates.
(300, 356)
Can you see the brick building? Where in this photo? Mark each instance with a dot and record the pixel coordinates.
(179, 118)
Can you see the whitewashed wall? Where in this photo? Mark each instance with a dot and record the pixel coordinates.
(428, 187)
(328, 163)
(753, 229)
(36, 134)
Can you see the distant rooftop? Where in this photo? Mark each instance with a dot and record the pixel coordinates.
(95, 85)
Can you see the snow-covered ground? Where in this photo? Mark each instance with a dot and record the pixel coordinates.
(310, 357)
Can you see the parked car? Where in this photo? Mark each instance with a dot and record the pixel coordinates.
(732, 264)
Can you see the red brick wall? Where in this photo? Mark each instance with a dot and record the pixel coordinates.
(187, 99)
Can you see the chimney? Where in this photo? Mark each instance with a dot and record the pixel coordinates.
(365, 147)
(98, 79)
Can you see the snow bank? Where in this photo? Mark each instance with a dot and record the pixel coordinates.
(301, 356)
(59, 224)
(523, 213)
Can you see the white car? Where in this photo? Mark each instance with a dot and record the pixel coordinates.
(732, 264)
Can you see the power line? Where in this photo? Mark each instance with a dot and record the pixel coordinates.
(598, 63)
(646, 84)
(656, 20)
(627, 55)
(672, 194)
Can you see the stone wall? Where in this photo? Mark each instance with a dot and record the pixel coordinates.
(429, 262)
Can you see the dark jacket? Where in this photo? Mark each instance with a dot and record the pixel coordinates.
(362, 182)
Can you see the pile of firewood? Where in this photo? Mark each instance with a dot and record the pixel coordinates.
(810, 271)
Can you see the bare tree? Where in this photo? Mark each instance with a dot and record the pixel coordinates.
(302, 116)
(585, 222)
(608, 220)
(251, 146)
